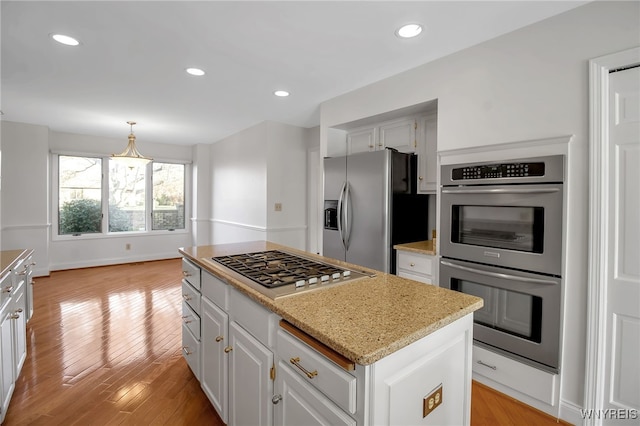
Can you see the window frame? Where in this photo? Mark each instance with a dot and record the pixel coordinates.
(54, 197)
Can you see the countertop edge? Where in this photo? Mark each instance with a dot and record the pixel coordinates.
(12, 257)
(422, 247)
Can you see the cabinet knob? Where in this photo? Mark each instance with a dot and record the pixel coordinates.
(419, 177)
(186, 274)
(412, 264)
(276, 399)
(219, 339)
(7, 289)
(228, 349)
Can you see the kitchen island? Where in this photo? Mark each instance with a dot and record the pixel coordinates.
(379, 350)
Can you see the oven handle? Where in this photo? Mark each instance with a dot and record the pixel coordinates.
(499, 275)
(501, 191)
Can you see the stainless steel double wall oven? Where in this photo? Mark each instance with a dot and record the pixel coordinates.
(502, 240)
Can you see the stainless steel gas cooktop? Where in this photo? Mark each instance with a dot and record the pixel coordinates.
(279, 273)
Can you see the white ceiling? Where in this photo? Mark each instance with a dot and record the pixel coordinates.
(131, 61)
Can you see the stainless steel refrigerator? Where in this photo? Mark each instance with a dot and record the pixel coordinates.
(370, 204)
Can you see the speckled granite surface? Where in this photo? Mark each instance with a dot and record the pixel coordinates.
(8, 258)
(424, 247)
(364, 320)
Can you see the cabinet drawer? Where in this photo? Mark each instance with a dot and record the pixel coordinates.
(328, 378)
(215, 290)
(415, 277)
(416, 263)
(516, 375)
(191, 351)
(191, 319)
(191, 273)
(191, 296)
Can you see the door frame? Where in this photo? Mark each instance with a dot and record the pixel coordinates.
(599, 109)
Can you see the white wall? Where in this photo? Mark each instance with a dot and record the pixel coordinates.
(26, 219)
(251, 171)
(25, 195)
(529, 84)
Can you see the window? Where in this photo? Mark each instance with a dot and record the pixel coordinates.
(168, 196)
(134, 194)
(79, 195)
(127, 197)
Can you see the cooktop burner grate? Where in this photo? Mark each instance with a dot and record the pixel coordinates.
(274, 268)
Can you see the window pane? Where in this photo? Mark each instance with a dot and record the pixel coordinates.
(126, 197)
(168, 196)
(79, 195)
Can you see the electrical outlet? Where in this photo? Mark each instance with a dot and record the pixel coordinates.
(431, 401)
(127, 246)
(278, 207)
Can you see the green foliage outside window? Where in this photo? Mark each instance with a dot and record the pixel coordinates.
(81, 217)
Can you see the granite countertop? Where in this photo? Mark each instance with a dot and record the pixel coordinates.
(423, 247)
(363, 320)
(8, 258)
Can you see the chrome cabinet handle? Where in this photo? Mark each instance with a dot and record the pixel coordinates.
(8, 289)
(228, 349)
(310, 374)
(219, 339)
(493, 367)
(14, 316)
(185, 320)
(186, 351)
(276, 399)
(187, 297)
(186, 274)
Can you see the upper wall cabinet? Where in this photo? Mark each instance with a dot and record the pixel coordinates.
(427, 148)
(409, 134)
(399, 134)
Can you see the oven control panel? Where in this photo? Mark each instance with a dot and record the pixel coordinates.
(502, 170)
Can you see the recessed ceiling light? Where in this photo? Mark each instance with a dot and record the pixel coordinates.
(195, 71)
(409, 30)
(65, 39)
(281, 93)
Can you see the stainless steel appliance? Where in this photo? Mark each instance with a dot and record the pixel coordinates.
(276, 273)
(501, 228)
(370, 204)
(521, 313)
(507, 214)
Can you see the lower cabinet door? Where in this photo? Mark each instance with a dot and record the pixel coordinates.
(250, 383)
(214, 339)
(6, 361)
(298, 403)
(191, 350)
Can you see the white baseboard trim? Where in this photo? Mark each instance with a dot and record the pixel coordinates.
(113, 261)
(570, 412)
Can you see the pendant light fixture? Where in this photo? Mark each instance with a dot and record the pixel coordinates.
(131, 156)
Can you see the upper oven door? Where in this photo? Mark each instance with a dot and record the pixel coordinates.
(515, 226)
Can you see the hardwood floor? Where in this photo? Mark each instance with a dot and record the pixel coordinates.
(104, 348)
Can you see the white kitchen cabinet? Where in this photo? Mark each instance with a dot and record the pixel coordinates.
(191, 324)
(215, 372)
(427, 149)
(250, 379)
(13, 326)
(362, 140)
(298, 403)
(237, 367)
(398, 134)
(6, 354)
(415, 266)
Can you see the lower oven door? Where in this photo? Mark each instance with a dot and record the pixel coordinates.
(521, 313)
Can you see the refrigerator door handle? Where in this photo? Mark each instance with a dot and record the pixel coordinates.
(347, 215)
(340, 212)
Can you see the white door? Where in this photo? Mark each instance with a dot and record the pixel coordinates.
(623, 271)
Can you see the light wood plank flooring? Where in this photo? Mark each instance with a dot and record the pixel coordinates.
(104, 348)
